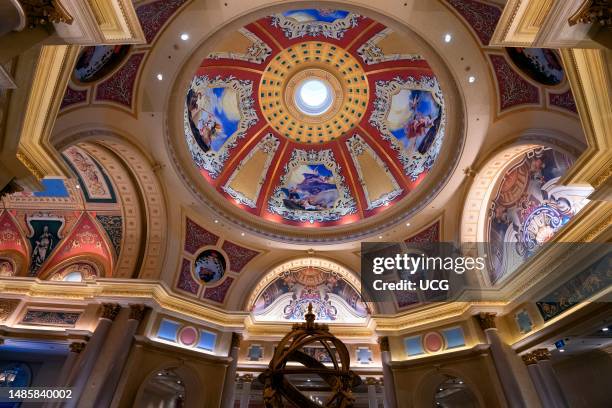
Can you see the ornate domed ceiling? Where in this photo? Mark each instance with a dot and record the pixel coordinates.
(314, 117)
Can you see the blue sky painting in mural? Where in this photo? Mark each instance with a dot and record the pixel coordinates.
(310, 187)
(414, 119)
(322, 15)
(52, 187)
(214, 116)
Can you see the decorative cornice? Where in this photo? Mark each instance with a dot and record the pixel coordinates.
(77, 347)
(110, 310)
(487, 320)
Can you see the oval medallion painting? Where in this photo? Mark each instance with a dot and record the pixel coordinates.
(540, 64)
(95, 63)
(210, 266)
(340, 114)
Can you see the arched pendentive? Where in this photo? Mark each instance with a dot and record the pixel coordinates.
(146, 202)
(285, 292)
(515, 203)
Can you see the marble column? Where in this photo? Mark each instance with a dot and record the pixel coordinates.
(71, 359)
(229, 385)
(120, 351)
(531, 361)
(549, 378)
(372, 398)
(246, 390)
(390, 400)
(501, 360)
(85, 364)
(12, 16)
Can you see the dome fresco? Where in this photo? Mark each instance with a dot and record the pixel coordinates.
(314, 117)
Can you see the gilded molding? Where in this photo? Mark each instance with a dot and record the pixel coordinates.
(32, 168)
(7, 307)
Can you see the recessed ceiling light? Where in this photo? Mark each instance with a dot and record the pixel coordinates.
(380, 237)
(407, 224)
(216, 221)
(160, 77)
(561, 350)
(605, 329)
(184, 36)
(242, 233)
(77, 186)
(471, 79)
(448, 37)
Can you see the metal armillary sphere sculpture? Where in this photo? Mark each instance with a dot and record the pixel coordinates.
(340, 378)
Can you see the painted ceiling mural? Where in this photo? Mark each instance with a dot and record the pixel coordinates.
(529, 207)
(256, 134)
(210, 264)
(287, 297)
(71, 227)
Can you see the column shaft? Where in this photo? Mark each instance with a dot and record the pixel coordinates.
(246, 394)
(504, 370)
(540, 387)
(229, 385)
(372, 400)
(551, 382)
(83, 368)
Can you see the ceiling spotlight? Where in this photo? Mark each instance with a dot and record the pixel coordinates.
(184, 36)
(407, 224)
(471, 79)
(561, 350)
(78, 186)
(160, 77)
(242, 233)
(605, 329)
(216, 221)
(448, 37)
(380, 237)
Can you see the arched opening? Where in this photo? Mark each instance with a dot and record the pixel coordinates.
(164, 389)
(454, 393)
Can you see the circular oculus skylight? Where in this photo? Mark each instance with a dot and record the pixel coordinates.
(314, 96)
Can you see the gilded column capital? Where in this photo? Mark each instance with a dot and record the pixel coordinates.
(591, 12)
(236, 338)
(529, 359)
(77, 347)
(110, 310)
(541, 354)
(373, 381)
(43, 12)
(137, 312)
(487, 321)
(384, 343)
(246, 378)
